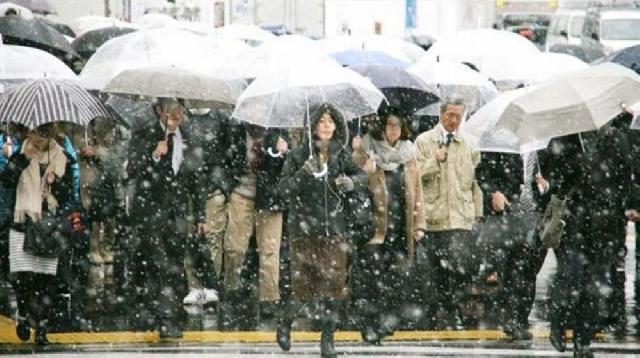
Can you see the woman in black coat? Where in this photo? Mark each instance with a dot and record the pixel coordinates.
(316, 188)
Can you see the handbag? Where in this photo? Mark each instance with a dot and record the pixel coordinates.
(553, 223)
(46, 237)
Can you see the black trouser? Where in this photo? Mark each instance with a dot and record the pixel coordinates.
(637, 282)
(203, 266)
(161, 272)
(36, 295)
(452, 268)
(73, 271)
(379, 284)
(584, 287)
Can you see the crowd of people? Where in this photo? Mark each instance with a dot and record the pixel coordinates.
(370, 221)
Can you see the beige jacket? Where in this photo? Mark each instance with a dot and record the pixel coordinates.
(452, 197)
(414, 214)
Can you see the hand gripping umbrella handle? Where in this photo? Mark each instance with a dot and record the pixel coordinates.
(272, 154)
(321, 173)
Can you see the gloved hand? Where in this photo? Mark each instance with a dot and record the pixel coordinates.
(344, 184)
(311, 166)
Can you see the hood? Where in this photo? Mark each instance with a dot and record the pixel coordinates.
(341, 134)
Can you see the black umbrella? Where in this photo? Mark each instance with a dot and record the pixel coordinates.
(61, 28)
(34, 33)
(37, 6)
(628, 57)
(87, 43)
(402, 89)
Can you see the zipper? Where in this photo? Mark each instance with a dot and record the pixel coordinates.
(326, 205)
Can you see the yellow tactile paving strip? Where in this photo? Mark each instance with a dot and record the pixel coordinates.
(8, 336)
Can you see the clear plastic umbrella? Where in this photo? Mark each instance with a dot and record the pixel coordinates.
(451, 77)
(156, 21)
(281, 96)
(19, 63)
(491, 51)
(392, 46)
(148, 48)
(83, 24)
(570, 103)
(251, 34)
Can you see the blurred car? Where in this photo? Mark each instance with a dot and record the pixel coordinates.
(565, 28)
(533, 26)
(608, 29)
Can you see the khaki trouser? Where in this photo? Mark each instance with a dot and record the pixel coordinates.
(216, 225)
(268, 228)
(101, 246)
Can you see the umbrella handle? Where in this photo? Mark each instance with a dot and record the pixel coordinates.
(272, 154)
(321, 173)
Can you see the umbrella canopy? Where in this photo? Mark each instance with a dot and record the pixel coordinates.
(491, 51)
(451, 77)
(573, 50)
(148, 48)
(482, 133)
(18, 63)
(628, 57)
(60, 27)
(402, 89)
(570, 103)
(46, 101)
(38, 6)
(20, 11)
(391, 46)
(156, 21)
(83, 24)
(251, 61)
(87, 43)
(34, 33)
(251, 34)
(201, 89)
(363, 57)
(281, 96)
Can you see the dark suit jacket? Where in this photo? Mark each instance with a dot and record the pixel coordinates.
(161, 195)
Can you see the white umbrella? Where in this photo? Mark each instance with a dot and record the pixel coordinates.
(281, 96)
(451, 77)
(148, 48)
(534, 69)
(21, 10)
(19, 63)
(202, 89)
(394, 47)
(287, 48)
(491, 51)
(251, 34)
(156, 21)
(570, 103)
(83, 24)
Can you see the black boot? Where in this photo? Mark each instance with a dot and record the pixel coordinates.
(41, 334)
(288, 312)
(582, 351)
(556, 337)
(329, 325)
(23, 329)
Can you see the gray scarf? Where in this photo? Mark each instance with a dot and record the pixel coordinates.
(388, 157)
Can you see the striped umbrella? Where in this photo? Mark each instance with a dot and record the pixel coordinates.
(48, 100)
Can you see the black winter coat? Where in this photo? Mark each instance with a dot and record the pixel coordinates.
(159, 194)
(268, 197)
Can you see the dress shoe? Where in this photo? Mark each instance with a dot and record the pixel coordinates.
(170, 331)
(23, 329)
(283, 336)
(521, 334)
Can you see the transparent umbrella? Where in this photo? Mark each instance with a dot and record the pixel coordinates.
(147, 49)
(19, 63)
(392, 46)
(251, 34)
(571, 103)
(452, 77)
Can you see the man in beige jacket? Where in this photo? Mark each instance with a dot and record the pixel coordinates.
(452, 202)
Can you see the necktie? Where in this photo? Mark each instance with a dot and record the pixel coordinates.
(449, 138)
(527, 202)
(170, 138)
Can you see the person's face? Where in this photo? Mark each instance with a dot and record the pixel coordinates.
(451, 117)
(325, 127)
(38, 140)
(172, 116)
(393, 129)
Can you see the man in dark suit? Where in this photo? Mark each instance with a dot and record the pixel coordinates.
(168, 200)
(514, 201)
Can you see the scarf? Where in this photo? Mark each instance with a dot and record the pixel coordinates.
(389, 158)
(32, 188)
